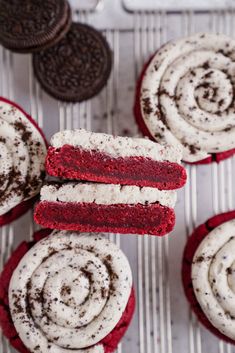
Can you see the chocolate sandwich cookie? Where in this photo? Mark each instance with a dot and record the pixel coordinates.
(31, 25)
(77, 67)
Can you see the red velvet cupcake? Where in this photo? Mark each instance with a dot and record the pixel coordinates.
(23, 153)
(88, 298)
(185, 97)
(208, 274)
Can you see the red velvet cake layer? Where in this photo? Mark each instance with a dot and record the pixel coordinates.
(110, 342)
(70, 162)
(193, 242)
(214, 157)
(152, 219)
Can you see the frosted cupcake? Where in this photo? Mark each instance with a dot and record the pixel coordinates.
(22, 158)
(67, 292)
(208, 274)
(185, 97)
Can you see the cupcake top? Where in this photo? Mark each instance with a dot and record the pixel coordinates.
(116, 146)
(69, 292)
(22, 153)
(213, 278)
(187, 95)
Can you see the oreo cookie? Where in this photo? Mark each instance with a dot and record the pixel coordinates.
(30, 25)
(77, 67)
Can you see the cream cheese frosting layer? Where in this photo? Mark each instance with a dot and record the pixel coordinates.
(69, 292)
(116, 146)
(213, 277)
(187, 95)
(106, 194)
(22, 157)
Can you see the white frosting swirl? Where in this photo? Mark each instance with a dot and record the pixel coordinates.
(213, 277)
(69, 292)
(187, 95)
(22, 157)
(106, 194)
(116, 146)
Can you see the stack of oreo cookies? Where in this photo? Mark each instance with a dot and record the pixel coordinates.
(72, 61)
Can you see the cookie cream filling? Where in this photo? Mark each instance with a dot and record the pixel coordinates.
(106, 194)
(187, 95)
(85, 282)
(22, 155)
(213, 277)
(116, 146)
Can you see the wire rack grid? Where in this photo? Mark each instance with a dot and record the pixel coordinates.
(163, 322)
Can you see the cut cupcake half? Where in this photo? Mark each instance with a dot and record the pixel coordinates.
(99, 157)
(106, 208)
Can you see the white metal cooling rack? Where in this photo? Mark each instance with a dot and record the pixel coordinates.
(163, 322)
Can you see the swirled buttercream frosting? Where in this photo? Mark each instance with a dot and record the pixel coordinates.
(22, 156)
(213, 277)
(187, 95)
(69, 292)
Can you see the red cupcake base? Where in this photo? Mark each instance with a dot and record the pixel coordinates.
(193, 242)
